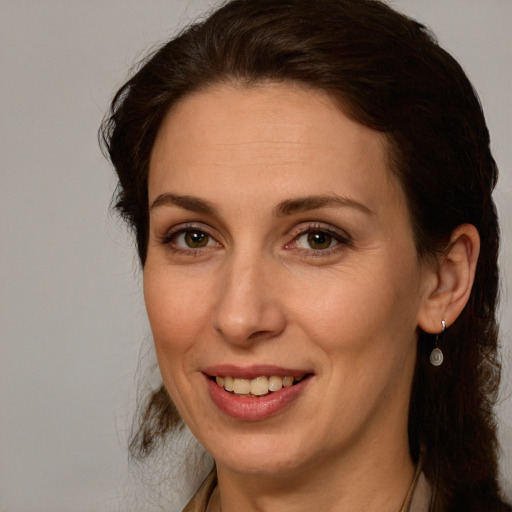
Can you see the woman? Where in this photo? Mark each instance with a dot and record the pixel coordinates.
(310, 188)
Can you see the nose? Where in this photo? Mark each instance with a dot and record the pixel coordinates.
(249, 308)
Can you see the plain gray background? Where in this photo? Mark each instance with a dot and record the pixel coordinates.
(72, 320)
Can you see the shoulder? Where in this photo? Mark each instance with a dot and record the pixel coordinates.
(199, 501)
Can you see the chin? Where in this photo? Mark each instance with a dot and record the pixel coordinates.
(263, 455)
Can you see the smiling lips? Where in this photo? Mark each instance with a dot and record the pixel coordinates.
(257, 393)
(259, 386)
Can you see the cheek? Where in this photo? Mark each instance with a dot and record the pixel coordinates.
(175, 311)
(176, 314)
(359, 311)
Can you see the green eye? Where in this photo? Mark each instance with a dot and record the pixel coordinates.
(319, 240)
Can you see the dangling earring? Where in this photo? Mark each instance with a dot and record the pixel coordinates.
(436, 356)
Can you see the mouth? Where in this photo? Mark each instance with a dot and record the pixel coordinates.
(256, 392)
(260, 386)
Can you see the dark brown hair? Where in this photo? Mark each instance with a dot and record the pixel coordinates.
(388, 73)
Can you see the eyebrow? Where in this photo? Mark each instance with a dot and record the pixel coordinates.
(287, 207)
(191, 203)
(302, 204)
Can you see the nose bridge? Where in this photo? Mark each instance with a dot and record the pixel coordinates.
(248, 307)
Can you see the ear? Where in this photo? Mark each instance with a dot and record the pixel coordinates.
(450, 282)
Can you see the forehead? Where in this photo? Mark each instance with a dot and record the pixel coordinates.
(282, 133)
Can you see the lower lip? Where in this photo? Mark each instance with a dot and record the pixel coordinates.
(254, 408)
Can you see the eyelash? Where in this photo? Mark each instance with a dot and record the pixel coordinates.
(169, 239)
(340, 239)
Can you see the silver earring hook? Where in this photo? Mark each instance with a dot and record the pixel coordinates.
(436, 356)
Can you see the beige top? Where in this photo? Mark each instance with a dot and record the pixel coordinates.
(417, 498)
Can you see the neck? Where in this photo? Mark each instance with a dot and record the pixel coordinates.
(372, 481)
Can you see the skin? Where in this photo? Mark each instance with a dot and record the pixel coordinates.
(259, 292)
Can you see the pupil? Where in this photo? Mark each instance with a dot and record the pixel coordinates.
(196, 239)
(319, 240)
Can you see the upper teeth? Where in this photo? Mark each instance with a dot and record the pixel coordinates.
(258, 386)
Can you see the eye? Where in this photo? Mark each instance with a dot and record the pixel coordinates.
(316, 240)
(319, 240)
(193, 239)
(190, 239)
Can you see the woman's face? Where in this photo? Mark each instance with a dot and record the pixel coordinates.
(281, 251)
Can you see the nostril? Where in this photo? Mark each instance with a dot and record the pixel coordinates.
(259, 334)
